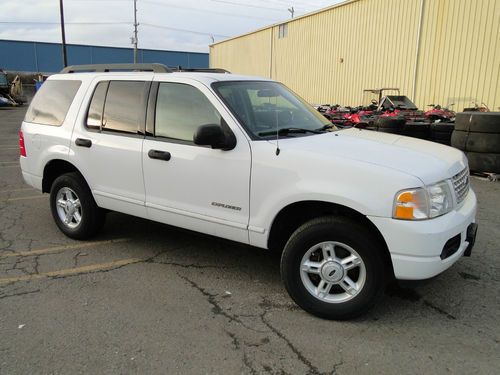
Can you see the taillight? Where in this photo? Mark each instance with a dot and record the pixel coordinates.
(22, 149)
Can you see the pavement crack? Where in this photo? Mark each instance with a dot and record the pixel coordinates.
(36, 264)
(216, 307)
(439, 310)
(76, 256)
(211, 298)
(248, 363)
(19, 294)
(192, 265)
(313, 370)
(336, 366)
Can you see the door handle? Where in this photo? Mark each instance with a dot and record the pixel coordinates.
(161, 155)
(82, 142)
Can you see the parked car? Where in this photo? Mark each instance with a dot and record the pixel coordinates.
(246, 159)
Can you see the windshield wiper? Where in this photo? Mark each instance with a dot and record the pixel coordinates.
(326, 127)
(286, 131)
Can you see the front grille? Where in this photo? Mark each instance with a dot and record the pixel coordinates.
(461, 184)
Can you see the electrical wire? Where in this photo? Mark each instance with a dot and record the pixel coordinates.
(205, 10)
(182, 30)
(248, 5)
(66, 23)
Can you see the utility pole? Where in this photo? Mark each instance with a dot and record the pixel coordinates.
(292, 11)
(135, 31)
(65, 58)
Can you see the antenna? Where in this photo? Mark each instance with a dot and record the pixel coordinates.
(277, 127)
(292, 11)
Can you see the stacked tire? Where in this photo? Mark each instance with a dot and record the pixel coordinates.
(441, 132)
(394, 125)
(419, 130)
(478, 135)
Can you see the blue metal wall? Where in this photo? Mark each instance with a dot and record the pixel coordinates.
(47, 57)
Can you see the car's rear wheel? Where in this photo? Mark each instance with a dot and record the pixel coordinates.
(333, 268)
(73, 207)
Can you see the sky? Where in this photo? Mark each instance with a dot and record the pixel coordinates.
(186, 25)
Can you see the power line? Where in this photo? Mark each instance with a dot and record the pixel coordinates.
(113, 23)
(182, 30)
(205, 10)
(247, 5)
(66, 23)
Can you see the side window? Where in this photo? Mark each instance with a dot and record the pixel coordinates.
(96, 109)
(123, 106)
(180, 110)
(51, 104)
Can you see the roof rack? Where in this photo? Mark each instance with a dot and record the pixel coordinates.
(156, 68)
(201, 70)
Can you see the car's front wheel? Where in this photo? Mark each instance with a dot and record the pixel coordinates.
(73, 207)
(333, 268)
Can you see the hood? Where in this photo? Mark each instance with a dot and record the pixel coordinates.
(430, 162)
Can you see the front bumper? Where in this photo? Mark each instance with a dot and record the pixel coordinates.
(416, 246)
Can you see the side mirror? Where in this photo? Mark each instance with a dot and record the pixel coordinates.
(214, 136)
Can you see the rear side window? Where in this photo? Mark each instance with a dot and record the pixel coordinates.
(51, 104)
(180, 110)
(123, 106)
(96, 109)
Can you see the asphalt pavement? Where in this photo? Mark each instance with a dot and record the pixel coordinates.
(147, 298)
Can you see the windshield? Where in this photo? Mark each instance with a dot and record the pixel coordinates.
(265, 108)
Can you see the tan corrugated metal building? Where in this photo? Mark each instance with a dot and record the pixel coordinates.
(435, 51)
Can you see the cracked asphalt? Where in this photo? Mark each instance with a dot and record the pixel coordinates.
(148, 298)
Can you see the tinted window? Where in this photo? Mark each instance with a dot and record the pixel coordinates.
(264, 107)
(123, 106)
(51, 104)
(96, 109)
(180, 110)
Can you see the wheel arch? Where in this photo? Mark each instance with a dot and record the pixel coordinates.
(292, 216)
(55, 168)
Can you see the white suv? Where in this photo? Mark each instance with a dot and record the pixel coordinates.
(246, 159)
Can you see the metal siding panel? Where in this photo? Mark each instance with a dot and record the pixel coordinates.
(459, 52)
(79, 55)
(17, 56)
(460, 58)
(103, 55)
(172, 59)
(47, 57)
(197, 60)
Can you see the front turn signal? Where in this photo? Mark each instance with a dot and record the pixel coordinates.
(411, 205)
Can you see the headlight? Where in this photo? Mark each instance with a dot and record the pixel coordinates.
(423, 203)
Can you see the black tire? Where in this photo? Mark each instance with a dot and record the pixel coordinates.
(390, 122)
(459, 139)
(417, 130)
(92, 217)
(441, 132)
(478, 122)
(393, 125)
(483, 142)
(462, 121)
(476, 142)
(442, 141)
(484, 162)
(350, 233)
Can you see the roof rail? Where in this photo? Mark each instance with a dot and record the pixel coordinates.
(201, 70)
(156, 68)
